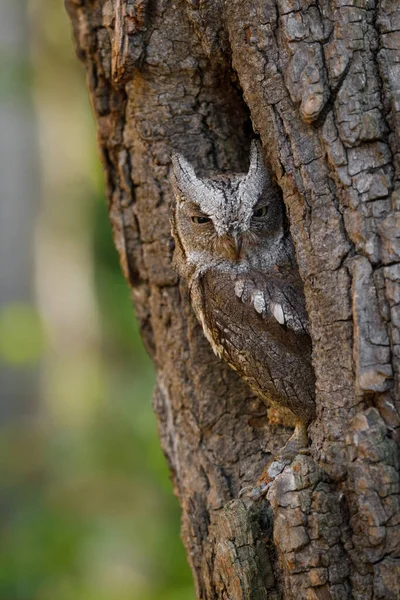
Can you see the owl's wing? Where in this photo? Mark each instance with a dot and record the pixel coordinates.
(257, 322)
(278, 294)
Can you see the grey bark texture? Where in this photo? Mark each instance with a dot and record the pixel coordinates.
(320, 83)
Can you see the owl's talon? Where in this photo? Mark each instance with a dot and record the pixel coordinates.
(274, 468)
(259, 491)
(271, 471)
(297, 444)
(256, 492)
(245, 491)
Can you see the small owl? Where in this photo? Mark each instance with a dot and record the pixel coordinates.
(234, 249)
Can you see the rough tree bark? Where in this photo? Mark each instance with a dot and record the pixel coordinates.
(320, 83)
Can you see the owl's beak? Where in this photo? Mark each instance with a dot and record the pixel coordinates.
(231, 245)
(237, 245)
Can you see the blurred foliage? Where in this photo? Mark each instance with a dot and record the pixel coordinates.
(22, 337)
(90, 511)
(86, 502)
(15, 77)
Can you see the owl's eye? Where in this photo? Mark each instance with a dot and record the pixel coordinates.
(201, 220)
(260, 212)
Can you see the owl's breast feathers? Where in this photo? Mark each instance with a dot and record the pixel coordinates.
(257, 322)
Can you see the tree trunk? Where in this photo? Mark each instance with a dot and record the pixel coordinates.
(320, 83)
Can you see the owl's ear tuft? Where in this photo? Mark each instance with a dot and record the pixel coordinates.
(257, 164)
(183, 177)
(256, 158)
(257, 176)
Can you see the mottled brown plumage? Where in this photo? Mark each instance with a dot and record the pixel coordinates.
(233, 248)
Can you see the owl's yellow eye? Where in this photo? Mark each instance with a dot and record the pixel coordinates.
(201, 220)
(260, 212)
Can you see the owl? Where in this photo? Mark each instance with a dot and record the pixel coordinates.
(233, 247)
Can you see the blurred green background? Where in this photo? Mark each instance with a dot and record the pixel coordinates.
(87, 510)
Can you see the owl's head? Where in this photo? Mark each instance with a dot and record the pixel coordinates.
(227, 218)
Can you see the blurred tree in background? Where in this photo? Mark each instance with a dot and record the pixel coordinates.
(87, 509)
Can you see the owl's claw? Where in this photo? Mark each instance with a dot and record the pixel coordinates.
(297, 444)
(256, 492)
(272, 470)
